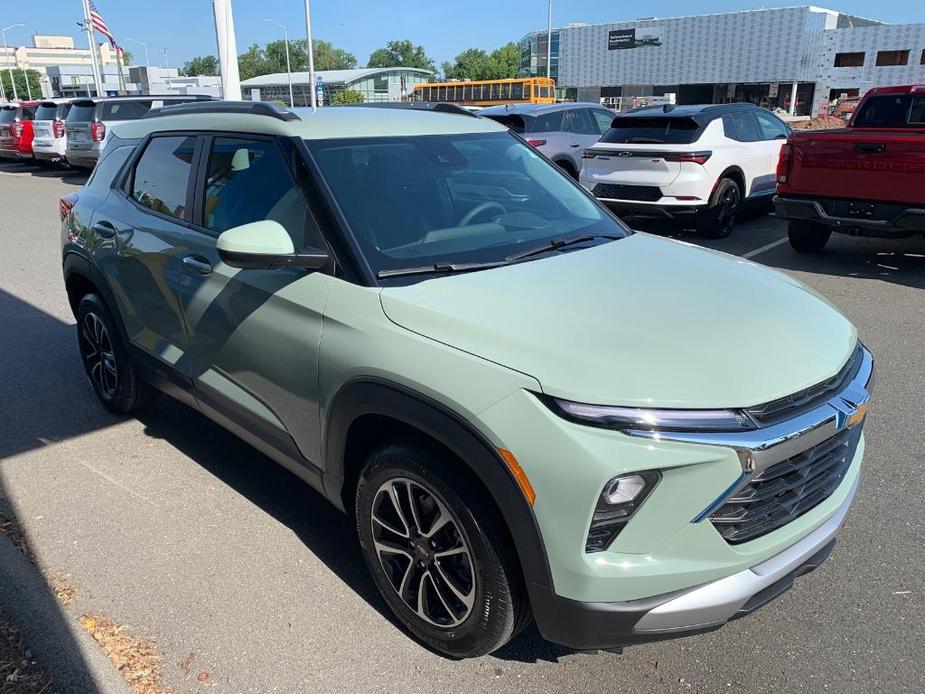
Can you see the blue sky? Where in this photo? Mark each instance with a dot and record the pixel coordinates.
(185, 28)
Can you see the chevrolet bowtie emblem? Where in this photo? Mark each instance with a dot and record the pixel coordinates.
(847, 413)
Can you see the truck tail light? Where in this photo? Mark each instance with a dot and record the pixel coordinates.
(97, 131)
(66, 204)
(536, 143)
(57, 128)
(783, 164)
(16, 130)
(690, 157)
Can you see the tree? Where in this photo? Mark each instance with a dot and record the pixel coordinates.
(476, 64)
(252, 63)
(127, 57)
(22, 90)
(347, 96)
(401, 54)
(202, 65)
(327, 57)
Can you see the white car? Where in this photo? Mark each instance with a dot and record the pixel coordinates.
(701, 163)
(50, 139)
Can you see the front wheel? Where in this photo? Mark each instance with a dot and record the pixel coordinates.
(807, 237)
(436, 554)
(719, 218)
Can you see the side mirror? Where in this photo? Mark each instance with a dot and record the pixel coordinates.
(266, 245)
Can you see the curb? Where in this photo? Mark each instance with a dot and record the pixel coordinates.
(67, 652)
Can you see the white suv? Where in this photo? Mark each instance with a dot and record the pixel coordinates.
(699, 162)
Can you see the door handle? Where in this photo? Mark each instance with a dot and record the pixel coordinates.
(104, 229)
(871, 147)
(574, 144)
(198, 264)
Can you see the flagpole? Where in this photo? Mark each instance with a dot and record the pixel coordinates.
(93, 55)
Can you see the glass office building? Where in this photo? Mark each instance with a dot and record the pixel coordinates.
(794, 58)
(375, 84)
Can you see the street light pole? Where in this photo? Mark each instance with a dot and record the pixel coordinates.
(549, 39)
(12, 80)
(311, 54)
(147, 60)
(288, 68)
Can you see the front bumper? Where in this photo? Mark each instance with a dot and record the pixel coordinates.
(880, 220)
(589, 626)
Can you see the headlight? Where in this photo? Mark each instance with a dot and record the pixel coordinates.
(619, 500)
(641, 418)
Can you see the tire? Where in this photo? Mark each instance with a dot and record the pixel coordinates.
(807, 237)
(719, 218)
(481, 603)
(111, 371)
(567, 167)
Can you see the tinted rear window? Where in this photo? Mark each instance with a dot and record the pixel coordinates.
(675, 131)
(80, 113)
(46, 112)
(896, 111)
(7, 115)
(124, 110)
(515, 123)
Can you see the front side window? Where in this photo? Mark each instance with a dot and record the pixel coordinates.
(771, 128)
(248, 181)
(424, 200)
(162, 173)
(603, 120)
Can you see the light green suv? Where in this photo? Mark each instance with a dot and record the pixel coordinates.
(531, 411)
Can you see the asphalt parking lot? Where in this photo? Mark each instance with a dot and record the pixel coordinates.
(185, 534)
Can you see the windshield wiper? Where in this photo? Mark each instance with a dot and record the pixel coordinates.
(439, 268)
(556, 244)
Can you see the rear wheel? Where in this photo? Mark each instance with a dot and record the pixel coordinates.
(111, 371)
(436, 554)
(807, 237)
(719, 218)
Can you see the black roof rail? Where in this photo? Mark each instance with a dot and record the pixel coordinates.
(437, 106)
(253, 108)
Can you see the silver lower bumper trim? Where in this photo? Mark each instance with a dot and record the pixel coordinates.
(719, 601)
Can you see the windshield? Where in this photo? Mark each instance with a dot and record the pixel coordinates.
(892, 111)
(81, 113)
(46, 111)
(657, 130)
(436, 199)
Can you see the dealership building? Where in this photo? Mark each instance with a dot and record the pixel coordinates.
(373, 84)
(795, 58)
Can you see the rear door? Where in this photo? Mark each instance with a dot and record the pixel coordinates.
(253, 335)
(140, 232)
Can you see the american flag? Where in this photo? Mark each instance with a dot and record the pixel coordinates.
(99, 24)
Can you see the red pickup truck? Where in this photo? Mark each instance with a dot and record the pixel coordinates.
(867, 179)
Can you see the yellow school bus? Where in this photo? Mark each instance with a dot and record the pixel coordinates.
(523, 90)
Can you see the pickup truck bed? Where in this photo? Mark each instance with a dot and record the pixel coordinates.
(866, 179)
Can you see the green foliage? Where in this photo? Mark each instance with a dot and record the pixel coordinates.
(347, 96)
(271, 58)
(401, 54)
(127, 57)
(20, 77)
(202, 65)
(476, 64)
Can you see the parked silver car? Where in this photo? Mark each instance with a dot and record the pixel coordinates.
(89, 121)
(560, 131)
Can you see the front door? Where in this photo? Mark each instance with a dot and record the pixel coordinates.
(253, 335)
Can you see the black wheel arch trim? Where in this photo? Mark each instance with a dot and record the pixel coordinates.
(75, 263)
(734, 174)
(372, 396)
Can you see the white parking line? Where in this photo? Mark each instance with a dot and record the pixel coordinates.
(766, 247)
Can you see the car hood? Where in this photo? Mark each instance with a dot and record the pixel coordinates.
(642, 321)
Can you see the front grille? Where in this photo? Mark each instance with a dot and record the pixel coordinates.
(785, 491)
(620, 192)
(809, 398)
